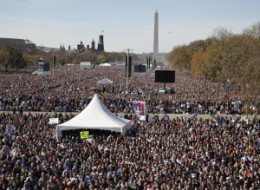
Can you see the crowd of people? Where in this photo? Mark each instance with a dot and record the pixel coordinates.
(181, 153)
(178, 153)
(69, 89)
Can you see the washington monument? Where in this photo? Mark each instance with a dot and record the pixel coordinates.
(155, 40)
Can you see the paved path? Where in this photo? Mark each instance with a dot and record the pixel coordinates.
(204, 116)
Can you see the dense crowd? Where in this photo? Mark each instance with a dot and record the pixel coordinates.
(69, 89)
(181, 153)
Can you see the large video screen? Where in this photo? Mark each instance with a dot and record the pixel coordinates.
(167, 76)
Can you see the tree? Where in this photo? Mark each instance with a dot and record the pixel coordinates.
(76, 60)
(62, 60)
(197, 62)
(224, 57)
(30, 59)
(16, 59)
(13, 58)
(101, 58)
(248, 75)
(4, 54)
(253, 31)
(180, 57)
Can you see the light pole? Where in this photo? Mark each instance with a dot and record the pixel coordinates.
(127, 69)
(53, 59)
(227, 90)
(247, 85)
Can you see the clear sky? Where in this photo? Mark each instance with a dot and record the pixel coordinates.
(126, 23)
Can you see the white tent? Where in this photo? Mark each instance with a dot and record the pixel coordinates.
(41, 73)
(105, 81)
(95, 116)
(105, 65)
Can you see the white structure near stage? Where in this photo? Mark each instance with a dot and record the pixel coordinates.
(41, 68)
(85, 65)
(95, 116)
(105, 65)
(41, 72)
(105, 81)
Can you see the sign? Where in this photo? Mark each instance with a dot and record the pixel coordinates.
(166, 118)
(10, 129)
(84, 134)
(139, 108)
(142, 117)
(53, 121)
(151, 118)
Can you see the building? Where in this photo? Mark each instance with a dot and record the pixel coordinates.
(62, 48)
(81, 47)
(19, 44)
(100, 46)
(47, 49)
(93, 45)
(101, 43)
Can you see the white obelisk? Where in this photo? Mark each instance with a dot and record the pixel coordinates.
(155, 39)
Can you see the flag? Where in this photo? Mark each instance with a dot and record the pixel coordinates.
(139, 108)
(84, 134)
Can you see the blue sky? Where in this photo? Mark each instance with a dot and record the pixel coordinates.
(126, 23)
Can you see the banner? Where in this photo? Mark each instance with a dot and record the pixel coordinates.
(53, 121)
(139, 108)
(84, 134)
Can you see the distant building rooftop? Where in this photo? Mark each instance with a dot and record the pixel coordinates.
(19, 44)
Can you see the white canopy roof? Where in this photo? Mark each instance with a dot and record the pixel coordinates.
(105, 81)
(95, 116)
(105, 64)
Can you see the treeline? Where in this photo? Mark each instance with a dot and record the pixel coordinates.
(233, 59)
(65, 57)
(13, 58)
